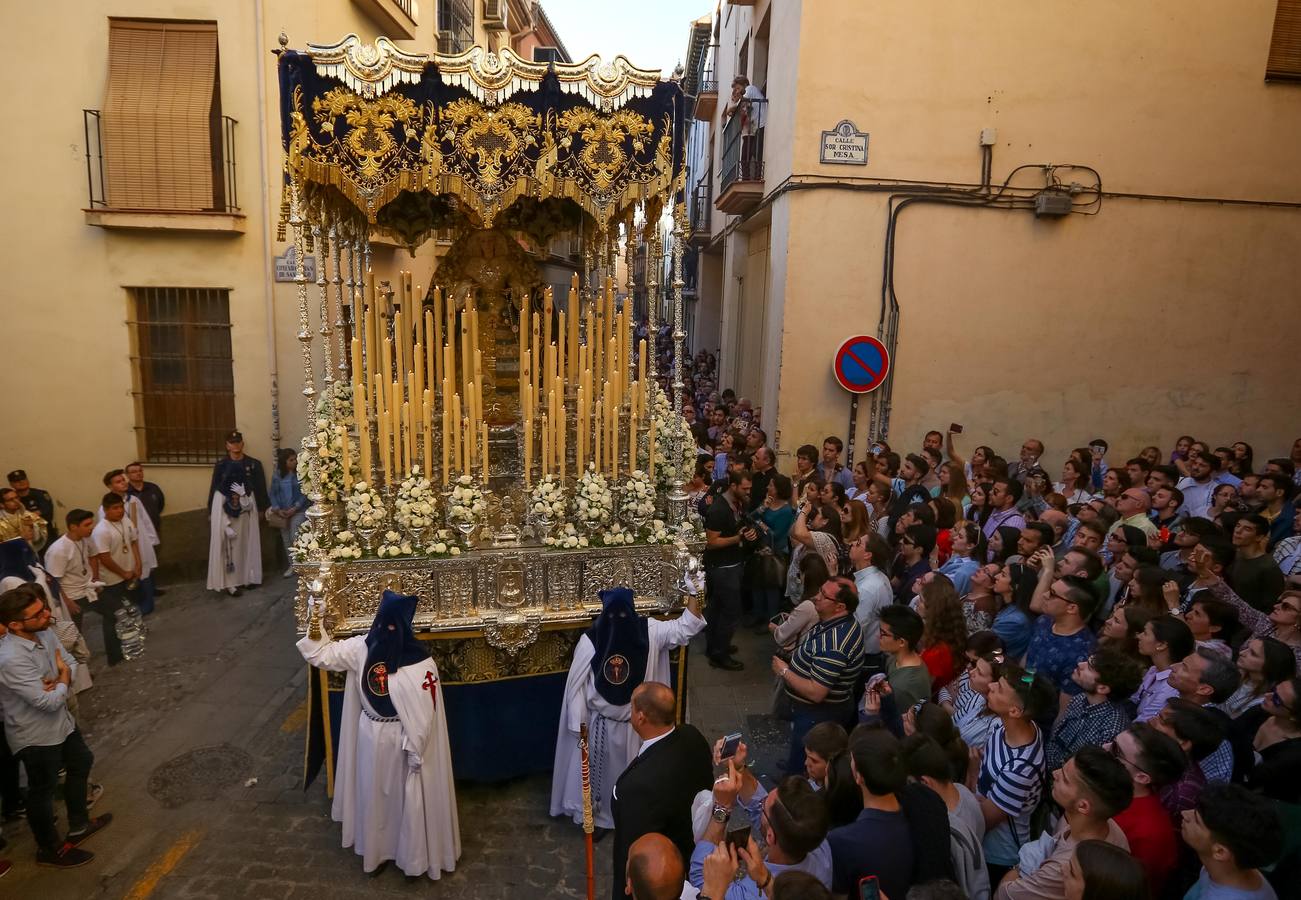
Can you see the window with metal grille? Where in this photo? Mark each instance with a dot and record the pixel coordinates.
(1284, 63)
(185, 385)
(162, 131)
(455, 26)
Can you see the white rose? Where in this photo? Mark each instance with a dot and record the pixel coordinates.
(406, 547)
(582, 542)
(539, 507)
(391, 536)
(440, 547)
(455, 551)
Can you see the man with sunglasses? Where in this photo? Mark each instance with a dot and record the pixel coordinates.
(1154, 760)
(35, 681)
(1133, 505)
(1107, 679)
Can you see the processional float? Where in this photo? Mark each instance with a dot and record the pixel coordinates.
(501, 452)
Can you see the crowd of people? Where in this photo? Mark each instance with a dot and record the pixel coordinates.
(1093, 678)
(104, 562)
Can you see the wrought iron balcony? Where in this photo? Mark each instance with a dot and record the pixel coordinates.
(154, 196)
(701, 196)
(741, 185)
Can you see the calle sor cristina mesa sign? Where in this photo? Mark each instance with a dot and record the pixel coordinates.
(844, 145)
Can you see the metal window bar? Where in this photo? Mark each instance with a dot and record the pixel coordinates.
(228, 157)
(743, 144)
(407, 6)
(90, 121)
(456, 20)
(184, 372)
(225, 188)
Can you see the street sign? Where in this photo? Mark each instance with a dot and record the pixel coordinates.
(861, 364)
(844, 145)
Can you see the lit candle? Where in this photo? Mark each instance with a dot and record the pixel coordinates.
(472, 416)
(561, 332)
(632, 437)
(408, 442)
(580, 418)
(484, 451)
(560, 428)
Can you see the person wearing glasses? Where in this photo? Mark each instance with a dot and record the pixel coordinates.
(1278, 741)
(1134, 504)
(1154, 760)
(1283, 621)
(36, 675)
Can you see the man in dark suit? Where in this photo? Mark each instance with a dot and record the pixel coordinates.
(655, 792)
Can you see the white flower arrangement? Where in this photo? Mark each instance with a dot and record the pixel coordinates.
(305, 545)
(394, 546)
(440, 544)
(365, 509)
(548, 498)
(567, 539)
(671, 430)
(616, 535)
(345, 546)
(593, 503)
(320, 468)
(416, 505)
(466, 503)
(638, 496)
(659, 533)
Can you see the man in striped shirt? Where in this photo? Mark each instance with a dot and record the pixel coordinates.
(820, 678)
(1010, 782)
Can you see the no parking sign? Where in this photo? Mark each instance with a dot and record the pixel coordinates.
(861, 364)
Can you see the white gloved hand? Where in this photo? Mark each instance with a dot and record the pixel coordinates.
(413, 761)
(693, 583)
(238, 489)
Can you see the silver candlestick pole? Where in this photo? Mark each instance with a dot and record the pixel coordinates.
(678, 494)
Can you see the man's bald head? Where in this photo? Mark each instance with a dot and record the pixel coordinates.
(655, 870)
(655, 701)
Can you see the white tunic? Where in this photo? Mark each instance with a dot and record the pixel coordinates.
(612, 744)
(391, 809)
(233, 561)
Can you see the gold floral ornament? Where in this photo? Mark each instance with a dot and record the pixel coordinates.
(369, 140)
(482, 154)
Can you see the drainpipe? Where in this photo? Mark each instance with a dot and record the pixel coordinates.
(268, 227)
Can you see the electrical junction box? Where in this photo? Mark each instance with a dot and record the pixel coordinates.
(1052, 203)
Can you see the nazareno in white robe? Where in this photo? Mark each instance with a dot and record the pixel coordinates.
(243, 552)
(612, 744)
(390, 810)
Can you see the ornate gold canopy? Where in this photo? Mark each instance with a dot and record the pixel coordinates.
(370, 129)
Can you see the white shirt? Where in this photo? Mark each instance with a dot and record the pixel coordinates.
(69, 561)
(115, 539)
(874, 594)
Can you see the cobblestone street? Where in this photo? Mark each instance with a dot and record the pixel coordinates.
(218, 701)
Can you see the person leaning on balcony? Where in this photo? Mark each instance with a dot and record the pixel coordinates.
(753, 118)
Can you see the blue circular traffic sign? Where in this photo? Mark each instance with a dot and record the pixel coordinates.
(861, 364)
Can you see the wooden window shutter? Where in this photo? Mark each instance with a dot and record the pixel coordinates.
(159, 115)
(1285, 46)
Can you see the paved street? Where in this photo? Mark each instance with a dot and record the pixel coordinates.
(216, 702)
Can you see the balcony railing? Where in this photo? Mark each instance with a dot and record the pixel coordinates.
(743, 144)
(225, 194)
(701, 198)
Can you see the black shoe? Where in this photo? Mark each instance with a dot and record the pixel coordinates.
(66, 857)
(13, 815)
(726, 662)
(378, 870)
(5, 866)
(253, 585)
(99, 823)
(159, 592)
(598, 834)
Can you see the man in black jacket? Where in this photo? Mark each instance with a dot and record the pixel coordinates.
(655, 792)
